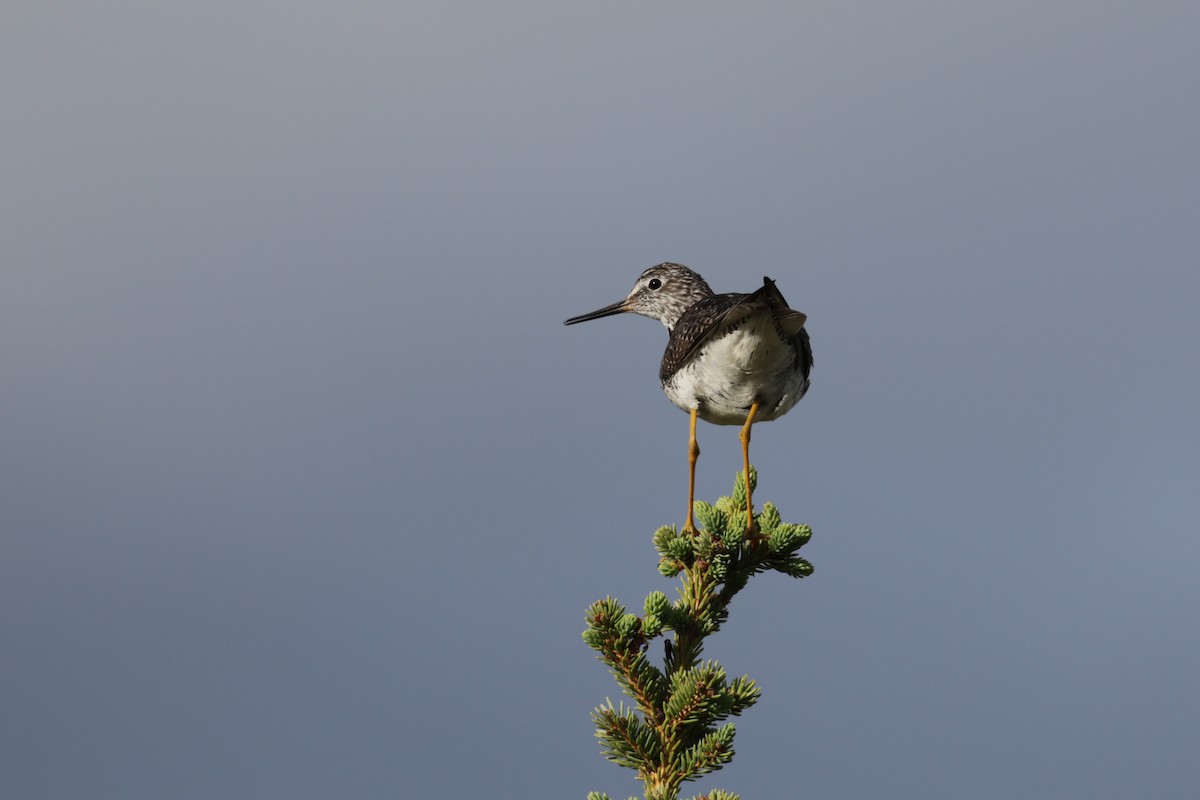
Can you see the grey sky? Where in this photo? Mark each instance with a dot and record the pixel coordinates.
(304, 487)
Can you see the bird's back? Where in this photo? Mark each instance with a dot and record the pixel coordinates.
(730, 350)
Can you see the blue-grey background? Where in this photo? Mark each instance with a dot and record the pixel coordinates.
(304, 487)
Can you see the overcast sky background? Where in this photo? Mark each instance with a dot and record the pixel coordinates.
(304, 488)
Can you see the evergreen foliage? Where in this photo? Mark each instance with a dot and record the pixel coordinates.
(674, 732)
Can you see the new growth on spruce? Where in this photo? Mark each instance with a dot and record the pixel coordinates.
(675, 730)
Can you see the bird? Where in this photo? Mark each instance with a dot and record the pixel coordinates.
(731, 359)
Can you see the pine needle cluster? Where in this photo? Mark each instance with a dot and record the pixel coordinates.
(675, 731)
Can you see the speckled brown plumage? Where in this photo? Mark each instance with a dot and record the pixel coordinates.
(718, 314)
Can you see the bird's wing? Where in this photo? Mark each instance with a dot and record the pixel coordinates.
(791, 324)
(790, 320)
(699, 323)
(716, 313)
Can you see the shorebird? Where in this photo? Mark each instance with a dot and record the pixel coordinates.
(731, 359)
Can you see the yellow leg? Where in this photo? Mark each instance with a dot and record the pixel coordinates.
(745, 437)
(693, 454)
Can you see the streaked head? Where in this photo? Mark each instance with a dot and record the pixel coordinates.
(663, 292)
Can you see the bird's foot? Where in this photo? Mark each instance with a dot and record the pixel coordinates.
(753, 535)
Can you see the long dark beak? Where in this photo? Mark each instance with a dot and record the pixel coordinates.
(616, 308)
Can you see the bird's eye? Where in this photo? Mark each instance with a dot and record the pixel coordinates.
(654, 283)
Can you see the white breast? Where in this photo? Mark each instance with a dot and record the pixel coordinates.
(733, 370)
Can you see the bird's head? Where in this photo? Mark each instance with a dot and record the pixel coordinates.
(662, 292)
